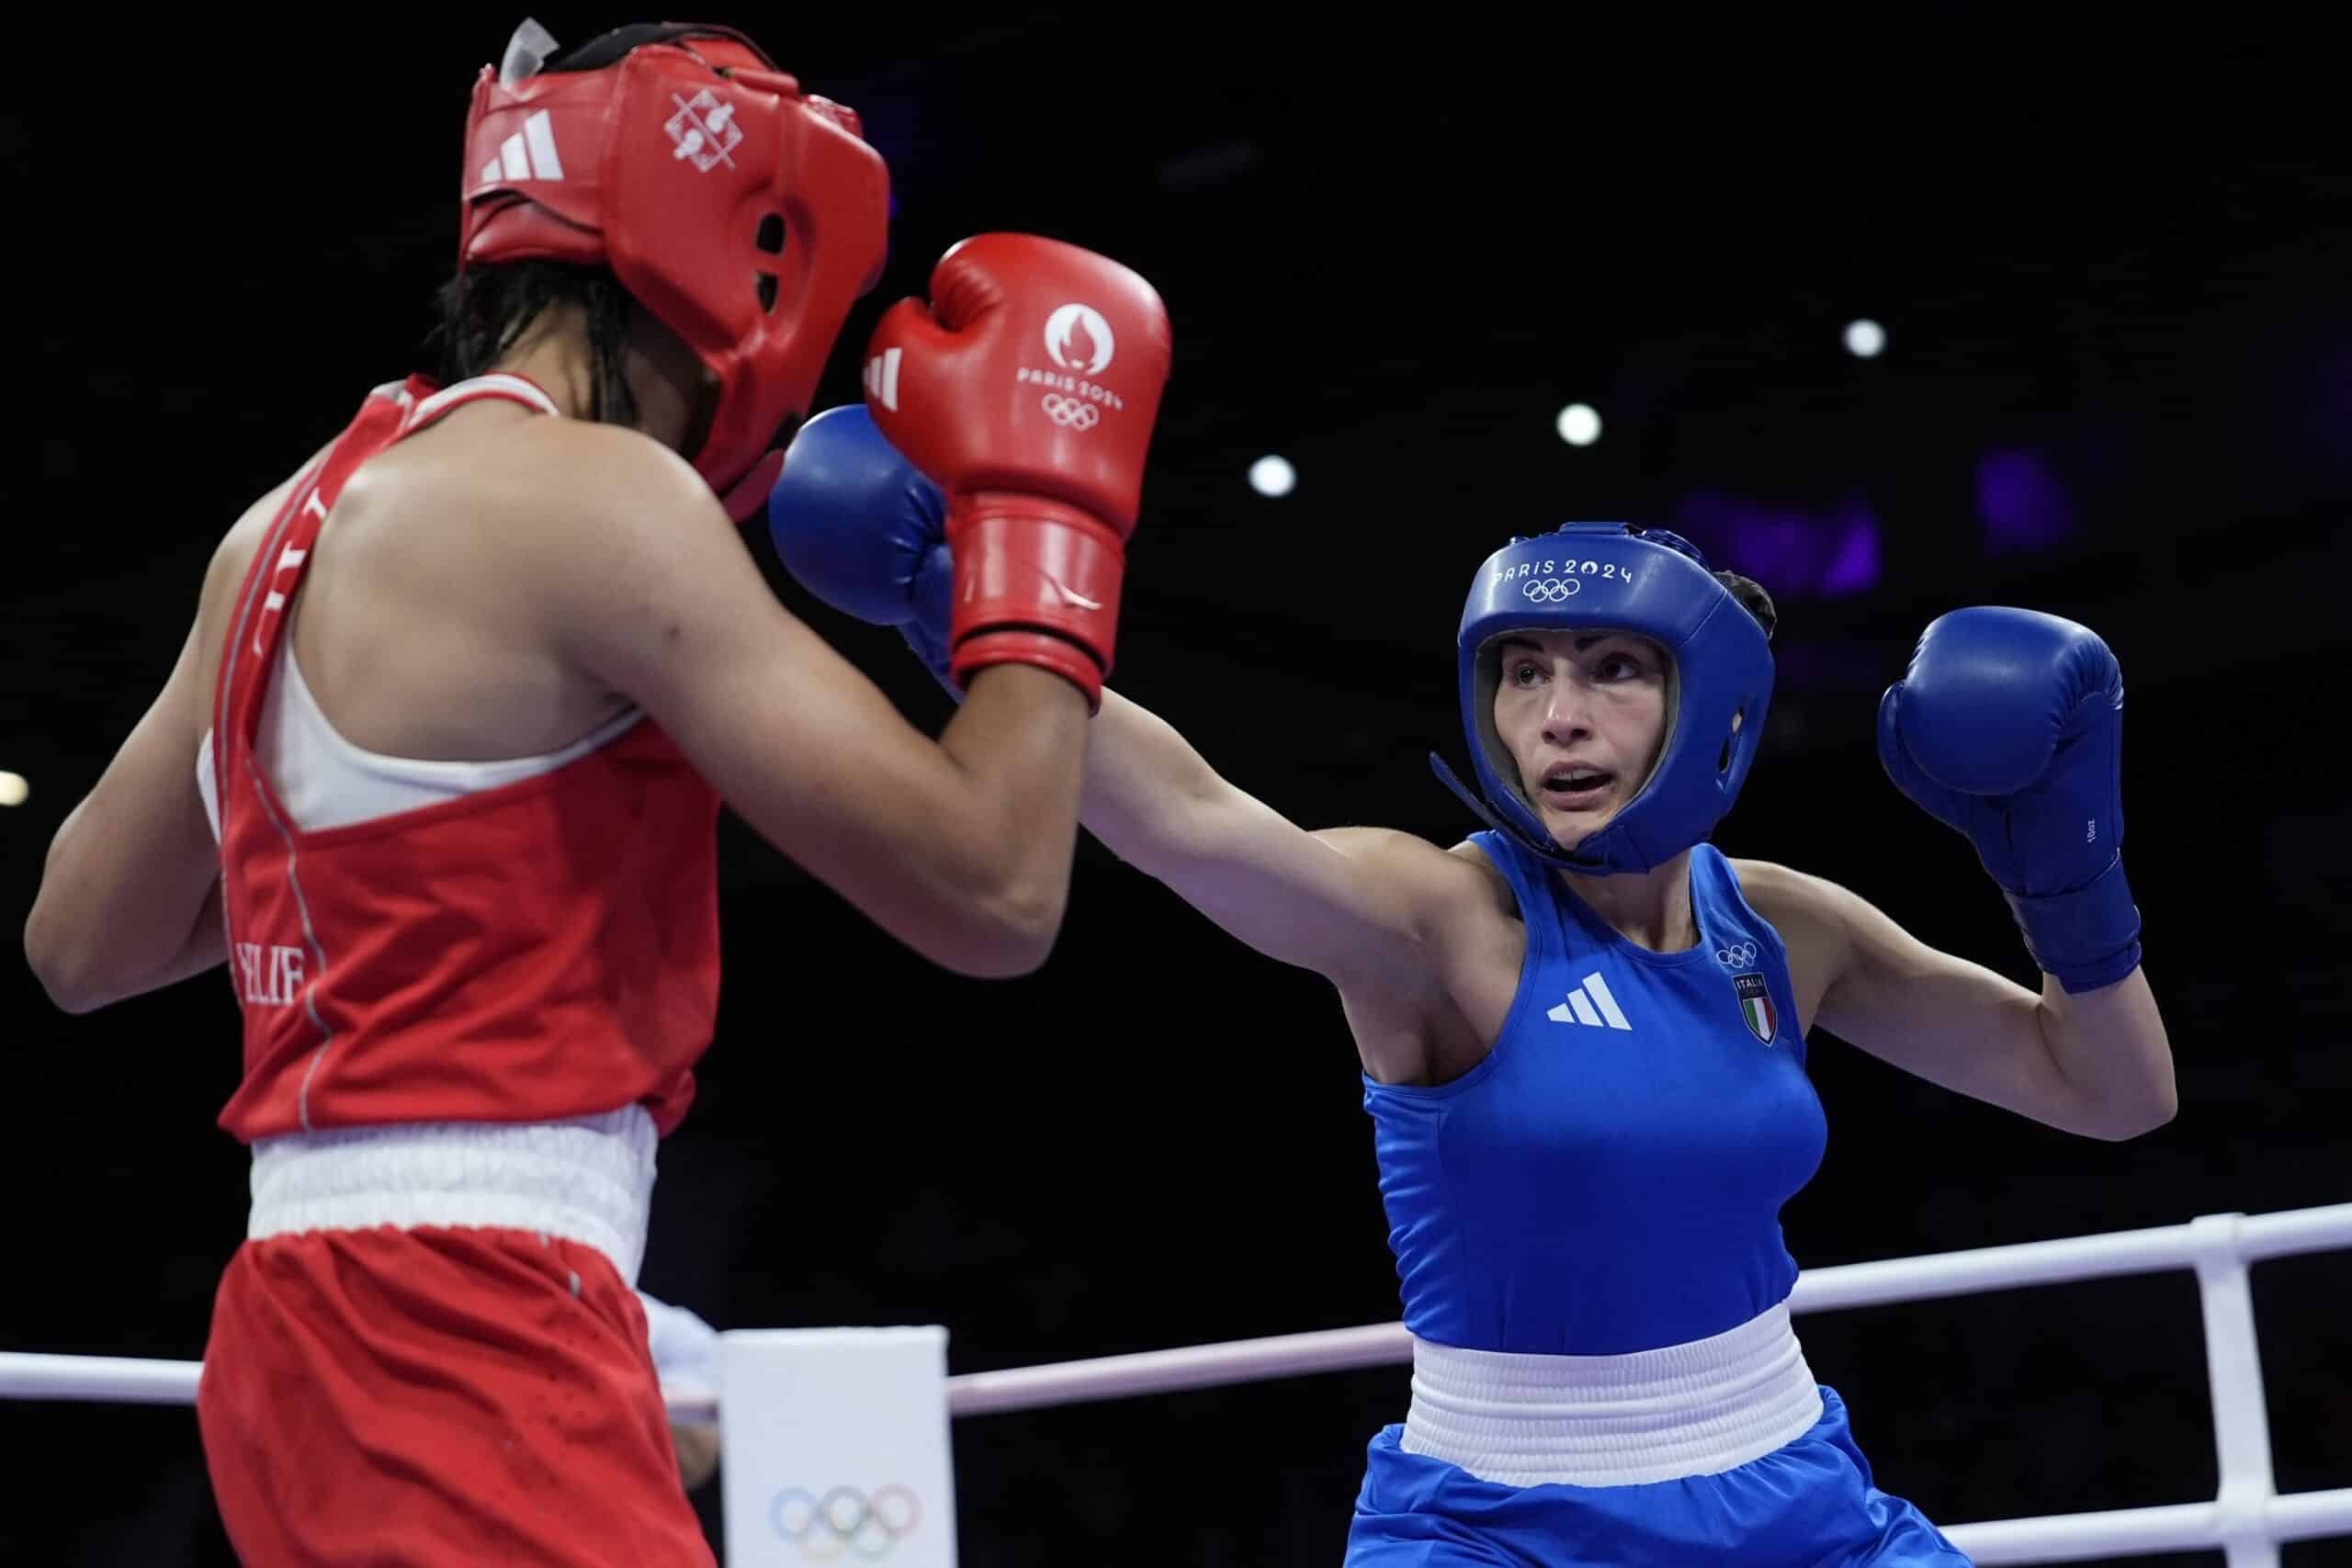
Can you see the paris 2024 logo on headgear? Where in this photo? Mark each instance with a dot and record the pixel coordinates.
(1078, 339)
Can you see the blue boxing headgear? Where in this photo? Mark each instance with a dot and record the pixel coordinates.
(1617, 577)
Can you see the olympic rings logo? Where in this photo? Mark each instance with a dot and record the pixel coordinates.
(1071, 412)
(846, 1521)
(1551, 590)
(1738, 955)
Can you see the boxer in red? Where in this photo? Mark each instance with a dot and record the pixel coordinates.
(436, 776)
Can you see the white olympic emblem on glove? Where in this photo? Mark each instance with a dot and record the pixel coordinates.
(1738, 955)
(1071, 412)
(1550, 590)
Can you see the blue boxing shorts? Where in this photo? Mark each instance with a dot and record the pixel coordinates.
(1807, 1504)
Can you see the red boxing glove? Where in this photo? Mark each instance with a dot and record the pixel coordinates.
(1026, 389)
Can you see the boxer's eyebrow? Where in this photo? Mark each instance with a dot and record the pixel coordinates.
(1586, 640)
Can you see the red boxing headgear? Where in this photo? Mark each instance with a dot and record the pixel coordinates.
(746, 214)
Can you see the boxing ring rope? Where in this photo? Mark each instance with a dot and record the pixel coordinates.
(2246, 1521)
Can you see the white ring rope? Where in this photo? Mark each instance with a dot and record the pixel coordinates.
(2246, 1521)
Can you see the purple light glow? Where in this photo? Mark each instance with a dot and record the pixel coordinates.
(1792, 551)
(2021, 505)
(1854, 569)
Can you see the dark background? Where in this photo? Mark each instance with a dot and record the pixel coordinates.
(2112, 256)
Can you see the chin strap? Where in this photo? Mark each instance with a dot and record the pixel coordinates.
(1546, 851)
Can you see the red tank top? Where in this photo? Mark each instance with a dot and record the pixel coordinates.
(543, 950)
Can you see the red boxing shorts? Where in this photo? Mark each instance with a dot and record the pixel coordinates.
(438, 1396)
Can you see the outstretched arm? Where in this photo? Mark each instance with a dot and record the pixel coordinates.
(1366, 907)
(862, 527)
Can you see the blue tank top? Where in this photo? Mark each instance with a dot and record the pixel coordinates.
(1610, 1177)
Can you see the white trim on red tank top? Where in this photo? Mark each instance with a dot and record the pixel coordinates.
(497, 384)
(323, 780)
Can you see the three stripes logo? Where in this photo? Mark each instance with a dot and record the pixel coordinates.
(1591, 1005)
(703, 133)
(528, 154)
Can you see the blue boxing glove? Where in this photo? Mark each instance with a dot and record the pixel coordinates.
(861, 528)
(2008, 726)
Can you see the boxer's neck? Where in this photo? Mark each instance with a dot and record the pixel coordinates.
(668, 381)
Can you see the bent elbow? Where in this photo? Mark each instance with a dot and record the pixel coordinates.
(2158, 1115)
(1000, 934)
(992, 955)
(998, 961)
(1020, 926)
(2123, 1125)
(77, 1003)
(67, 980)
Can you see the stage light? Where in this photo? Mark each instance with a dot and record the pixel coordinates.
(1273, 476)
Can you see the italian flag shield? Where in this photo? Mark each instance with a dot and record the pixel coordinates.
(1756, 1006)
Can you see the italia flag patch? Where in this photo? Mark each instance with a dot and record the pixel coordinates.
(1756, 1006)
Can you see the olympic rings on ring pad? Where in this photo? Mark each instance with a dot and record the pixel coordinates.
(844, 1520)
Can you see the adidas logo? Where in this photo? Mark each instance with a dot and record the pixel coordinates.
(528, 154)
(1590, 1004)
(882, 378)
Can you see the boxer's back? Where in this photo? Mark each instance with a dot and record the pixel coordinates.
(413, 629)
(410, 626)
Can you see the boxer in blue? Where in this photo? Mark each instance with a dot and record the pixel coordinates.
(1583, 1029)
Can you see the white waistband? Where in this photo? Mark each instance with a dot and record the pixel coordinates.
(1695, 1409)
(589, 1179)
